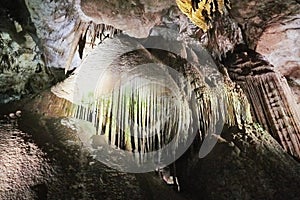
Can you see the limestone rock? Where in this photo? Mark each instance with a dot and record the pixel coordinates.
(280, 44)
(250, 164)
(255, 16)
(135, 18)
(269, 94)
(22, 69)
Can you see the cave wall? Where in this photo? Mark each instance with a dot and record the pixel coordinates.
(22, 67)
(280, 44)
(272, 28)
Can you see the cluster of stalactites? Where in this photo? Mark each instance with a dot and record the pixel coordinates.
(88, 35)
(212, 16)
(224, 104)
(143, 108)
(203, 12)
(144, 119)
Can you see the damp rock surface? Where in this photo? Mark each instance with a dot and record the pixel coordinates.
(22, 69)
(245, 164)
(25, 171)
(42, 158)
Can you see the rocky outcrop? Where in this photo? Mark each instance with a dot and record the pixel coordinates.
(245, 164)
(272, 28)
(280, 44)
(136, 18)
(22, 68)
(255, 16)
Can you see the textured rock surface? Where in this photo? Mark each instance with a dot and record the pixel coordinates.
(66, 35)
(272, 27)
(24, 168)
(245, 164)
(283, 124)
(22, 69)
(255, 16)
(135, 18)
(280, 44)
(56, 22)
(46, 160)
(273, 105)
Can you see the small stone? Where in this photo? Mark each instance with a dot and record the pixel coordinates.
(12, 116)
(18, 113)
(91, 163)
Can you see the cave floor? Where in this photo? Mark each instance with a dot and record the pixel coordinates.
(41, 161)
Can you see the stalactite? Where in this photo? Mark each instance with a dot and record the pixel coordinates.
(94, 35)
(141, 109)
(248, 68)
(270, 96)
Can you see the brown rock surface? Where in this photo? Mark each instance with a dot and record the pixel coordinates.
(246, 164)
(135, 18)
(255, 16)
(280, 44)
(270, 96)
